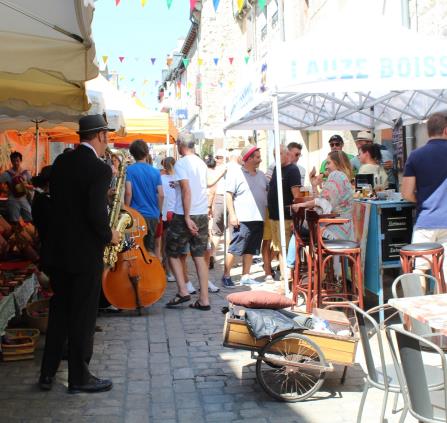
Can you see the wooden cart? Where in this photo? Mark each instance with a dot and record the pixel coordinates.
(292, 365)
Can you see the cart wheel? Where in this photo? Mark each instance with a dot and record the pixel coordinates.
(291, 367)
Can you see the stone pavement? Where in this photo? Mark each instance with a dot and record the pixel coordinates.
(169, 366)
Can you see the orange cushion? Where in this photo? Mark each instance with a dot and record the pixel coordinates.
(260, 299)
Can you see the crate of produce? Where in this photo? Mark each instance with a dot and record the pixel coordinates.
(34, 334)
(17, 348)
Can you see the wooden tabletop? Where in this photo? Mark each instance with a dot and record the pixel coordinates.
(429, 309)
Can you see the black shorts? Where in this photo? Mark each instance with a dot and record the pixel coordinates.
(247, 238)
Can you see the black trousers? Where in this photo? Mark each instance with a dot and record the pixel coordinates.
(72, 316)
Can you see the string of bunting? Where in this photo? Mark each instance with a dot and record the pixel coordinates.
(192, 4)
(170, 60)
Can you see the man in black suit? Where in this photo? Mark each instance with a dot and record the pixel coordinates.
(80, 230)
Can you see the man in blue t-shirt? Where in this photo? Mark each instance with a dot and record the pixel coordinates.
(425, 183)
(144, 191)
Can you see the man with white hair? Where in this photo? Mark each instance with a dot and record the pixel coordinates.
(190, 223)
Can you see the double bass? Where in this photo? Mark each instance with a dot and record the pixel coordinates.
(133, 278)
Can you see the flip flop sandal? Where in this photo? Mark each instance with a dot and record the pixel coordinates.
(178, 299)
(197, 306)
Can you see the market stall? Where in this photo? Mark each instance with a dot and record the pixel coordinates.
(344, 82)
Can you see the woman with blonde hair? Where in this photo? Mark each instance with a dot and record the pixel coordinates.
(336, 194)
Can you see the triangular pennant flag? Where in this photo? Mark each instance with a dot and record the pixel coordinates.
(153, 59)
(132, 79)
(187, 93)
(246, 59)
(145, 82)
(216, 4)
(261, 4)
(121, 58)
(240, 5)
(169, 3)
(143, 2)
(185, 62)
(230, 59)
(192, 4)
(199, 61)
(216, 60)
(117, 2)
(156, 82)
(109, 76)
(189, 85)
(136, 59)
(105, 58)
(121, 77)
(230, 83)
(200, 85)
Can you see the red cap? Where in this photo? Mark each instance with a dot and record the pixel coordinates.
(248, 151)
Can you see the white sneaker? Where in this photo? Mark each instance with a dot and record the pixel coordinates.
(249, 281)
(212, 288)
(190, 287)
(170, 277)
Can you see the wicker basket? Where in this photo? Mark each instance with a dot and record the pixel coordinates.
(34, 334)
(21, 348)
(40, 323)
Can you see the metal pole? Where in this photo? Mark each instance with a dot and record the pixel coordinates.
(282, 227)
(282, 31)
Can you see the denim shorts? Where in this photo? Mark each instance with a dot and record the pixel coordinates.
(247, 238)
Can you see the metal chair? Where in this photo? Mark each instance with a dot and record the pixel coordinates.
(380, 374)
(410, 285)
(423, 386)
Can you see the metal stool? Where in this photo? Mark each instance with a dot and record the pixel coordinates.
(431, 252)
(346, 250)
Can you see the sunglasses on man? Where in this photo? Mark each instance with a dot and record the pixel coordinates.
(335, 144)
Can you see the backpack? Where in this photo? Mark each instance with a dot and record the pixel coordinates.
(16, 185)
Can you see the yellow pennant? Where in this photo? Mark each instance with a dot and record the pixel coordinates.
(200, 61)
(143, 2)
(240, 5)
(189, 85)
(105, 58)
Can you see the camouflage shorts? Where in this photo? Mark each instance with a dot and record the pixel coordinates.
(179, 235)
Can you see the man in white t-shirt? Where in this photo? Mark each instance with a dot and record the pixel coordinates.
(190, 222)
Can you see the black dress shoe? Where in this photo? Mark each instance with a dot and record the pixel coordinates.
(45, 383)
(93, 385)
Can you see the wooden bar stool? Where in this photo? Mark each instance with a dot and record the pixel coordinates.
(303, 270)
(347, 251)
(432, 253)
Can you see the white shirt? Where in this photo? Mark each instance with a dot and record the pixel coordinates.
(91, 147)
(192, 169)
(168, 183)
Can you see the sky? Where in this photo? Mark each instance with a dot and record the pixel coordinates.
(138, 34)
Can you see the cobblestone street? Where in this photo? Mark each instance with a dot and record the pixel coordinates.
(169, 366)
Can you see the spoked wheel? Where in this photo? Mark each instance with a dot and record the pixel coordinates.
(291, 367)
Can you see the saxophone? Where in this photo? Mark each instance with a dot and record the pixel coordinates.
(119, 219)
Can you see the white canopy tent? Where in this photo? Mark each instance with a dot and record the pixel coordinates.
(360, 75)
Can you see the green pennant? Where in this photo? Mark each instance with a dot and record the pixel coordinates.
(246, 59)
(169, 3)
(261, 4)
(185, 62)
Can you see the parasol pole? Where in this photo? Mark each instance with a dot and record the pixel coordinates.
(37, 122)
(282, 227)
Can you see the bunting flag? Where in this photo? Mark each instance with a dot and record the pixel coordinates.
(104, 59)
(121, 58)
(230, 59)
(185, 62)
(143, 3)
(192, 4)
(199, 85)
(156, 82)
(216, 4)
(189, 85)
(240, 5)
(169, 61)
(246, 59)
(153, 59)
(117, 2)
(199, 61)
(169, 3)
(261, 4)
(132, 79)
(145, 82)
(121, 78)
(216, 60)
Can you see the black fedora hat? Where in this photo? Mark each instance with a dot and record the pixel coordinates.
(93, 123)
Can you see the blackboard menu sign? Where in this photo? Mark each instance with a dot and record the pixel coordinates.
(397, 228)
(399, 145)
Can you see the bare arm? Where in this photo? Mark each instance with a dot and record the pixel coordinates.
(409, 188)
(231, 212)
(128, 194)
(161, 197)
(295, 192)
(214, 178)
(186, 201)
